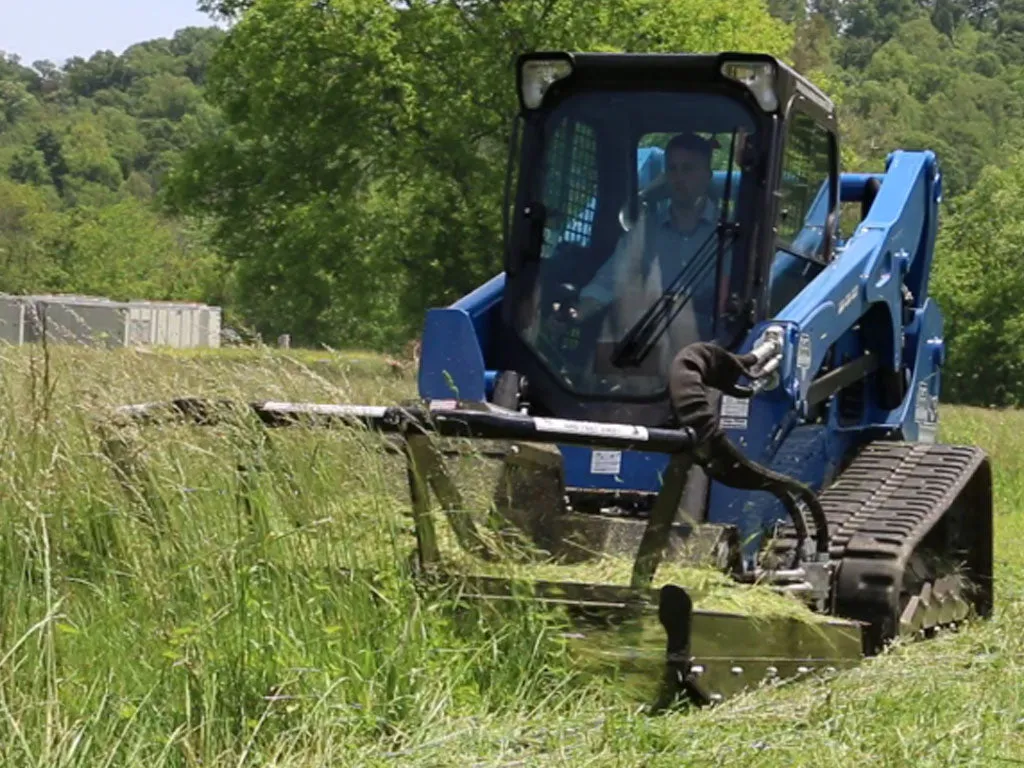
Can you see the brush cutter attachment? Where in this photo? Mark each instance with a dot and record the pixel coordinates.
(702, 656)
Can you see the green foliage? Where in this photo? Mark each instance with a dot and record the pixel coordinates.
(924, 90)
(978, 282)
(29, 232)
(359, 178)
(83, 152)
(366, 145)
(125, 251)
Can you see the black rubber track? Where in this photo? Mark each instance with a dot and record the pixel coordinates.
(892, 498)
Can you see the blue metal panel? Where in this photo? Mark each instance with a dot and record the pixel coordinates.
(483, 298)
(640, 471)
(871, 267)
(451, 360)
(483, 306)
(809, 453)
(891, 246)
(457, 342)
(759, 433)
(920, 267)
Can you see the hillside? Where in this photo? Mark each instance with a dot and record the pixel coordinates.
(84, 151)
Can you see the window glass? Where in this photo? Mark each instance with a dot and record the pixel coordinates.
(570, 186)
(635, 235)
(804, 194)
(803, 210)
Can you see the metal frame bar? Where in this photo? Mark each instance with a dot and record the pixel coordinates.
(425, 461)
(438, 417)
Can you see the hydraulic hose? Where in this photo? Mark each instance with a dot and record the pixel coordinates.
(696, 370)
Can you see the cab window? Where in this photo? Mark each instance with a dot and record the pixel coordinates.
(804, 203)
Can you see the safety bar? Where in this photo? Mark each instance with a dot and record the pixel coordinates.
(444, 418)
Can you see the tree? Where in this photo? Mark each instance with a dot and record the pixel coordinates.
(127, 251)
(366, 143)
(15, 102)
(1010, 30)
(82, 154)
(224, 10)
(51, 149)
(978, 283)
(29, 231)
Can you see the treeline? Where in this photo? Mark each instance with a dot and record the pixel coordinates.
(332, 169)
(946, 75)
(85, 149)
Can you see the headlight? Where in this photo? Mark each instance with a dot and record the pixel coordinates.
(537, 75)
(759, 77)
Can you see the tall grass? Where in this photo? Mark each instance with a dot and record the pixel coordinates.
(166, 604)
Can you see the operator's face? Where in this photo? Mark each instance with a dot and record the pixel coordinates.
(689, 175)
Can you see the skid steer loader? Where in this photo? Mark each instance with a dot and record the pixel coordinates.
(683, 359)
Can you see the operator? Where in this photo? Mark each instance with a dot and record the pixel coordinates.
(659, 247)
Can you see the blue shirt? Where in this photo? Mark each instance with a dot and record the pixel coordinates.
(669, 248)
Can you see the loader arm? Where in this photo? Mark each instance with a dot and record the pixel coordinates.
(879, 280)
(862, 347)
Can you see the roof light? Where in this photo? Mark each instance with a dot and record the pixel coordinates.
(538, 75)
(759, 77)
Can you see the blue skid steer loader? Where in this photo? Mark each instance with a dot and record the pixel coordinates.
(685, 361)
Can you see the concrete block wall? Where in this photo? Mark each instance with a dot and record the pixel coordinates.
(100, 322)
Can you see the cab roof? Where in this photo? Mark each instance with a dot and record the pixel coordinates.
(634, 69)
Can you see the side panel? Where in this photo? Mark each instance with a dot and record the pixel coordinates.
(857, 301)
(11, 320)
(768, 429)
(452, 362)
(215, 316)
(457, 342)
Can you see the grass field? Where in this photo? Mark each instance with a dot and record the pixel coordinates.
(194, 616)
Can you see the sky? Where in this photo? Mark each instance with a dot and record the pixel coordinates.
(59, 29)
